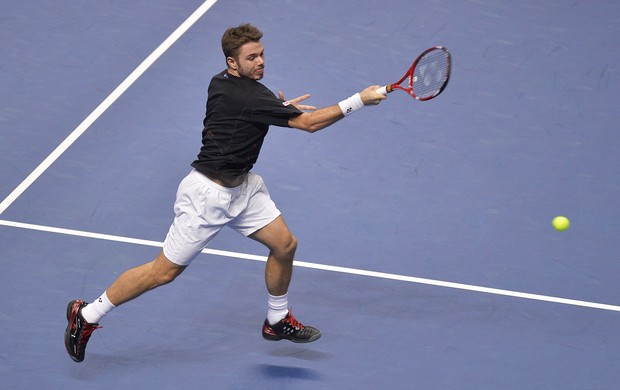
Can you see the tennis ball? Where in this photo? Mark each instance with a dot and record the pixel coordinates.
(560, 223)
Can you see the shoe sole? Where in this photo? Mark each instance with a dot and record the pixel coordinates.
(294, 340)
(68, 330)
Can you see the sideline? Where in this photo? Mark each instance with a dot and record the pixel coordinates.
(90, 119)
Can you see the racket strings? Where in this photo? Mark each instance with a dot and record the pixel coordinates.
(430, 74)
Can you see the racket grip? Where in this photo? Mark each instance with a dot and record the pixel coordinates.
(382, 90)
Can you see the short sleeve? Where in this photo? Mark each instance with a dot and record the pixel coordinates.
(270, 110)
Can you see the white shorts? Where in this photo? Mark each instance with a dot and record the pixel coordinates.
(203, 208)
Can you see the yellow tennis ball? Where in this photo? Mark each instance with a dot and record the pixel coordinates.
(560, 223)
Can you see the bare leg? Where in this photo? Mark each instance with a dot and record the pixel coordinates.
(282, 245)
(138, 280)
(280, 323)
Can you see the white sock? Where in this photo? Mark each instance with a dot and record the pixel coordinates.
(94, 312)
(278, 308)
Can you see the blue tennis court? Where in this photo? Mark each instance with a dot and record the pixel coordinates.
(426, 252)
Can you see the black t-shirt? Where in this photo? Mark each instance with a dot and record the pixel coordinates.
(239, 112)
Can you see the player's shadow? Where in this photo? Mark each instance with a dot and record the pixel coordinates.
(271, 371)
(274, 371)
(292, 351)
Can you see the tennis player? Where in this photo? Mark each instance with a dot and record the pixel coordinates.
(221, 190)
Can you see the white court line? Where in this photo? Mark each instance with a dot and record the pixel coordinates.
(90, 119)
(323, 267)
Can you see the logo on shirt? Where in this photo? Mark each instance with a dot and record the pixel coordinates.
(286, 103)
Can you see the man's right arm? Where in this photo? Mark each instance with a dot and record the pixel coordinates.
(319, 119)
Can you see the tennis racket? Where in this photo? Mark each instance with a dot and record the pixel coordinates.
(427, 77)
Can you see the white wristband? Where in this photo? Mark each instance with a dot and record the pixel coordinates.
(352, 104)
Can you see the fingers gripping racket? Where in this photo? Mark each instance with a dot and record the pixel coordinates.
(427, 77)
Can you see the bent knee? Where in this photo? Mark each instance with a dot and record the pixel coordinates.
(165, 278)
(293, 243)
(287, 246)
(164, 271)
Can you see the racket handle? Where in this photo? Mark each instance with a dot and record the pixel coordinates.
(383, 90)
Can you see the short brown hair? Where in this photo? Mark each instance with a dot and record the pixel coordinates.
(235, 37)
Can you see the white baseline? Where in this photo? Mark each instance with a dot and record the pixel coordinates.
(323, 267)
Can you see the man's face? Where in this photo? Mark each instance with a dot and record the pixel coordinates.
(250, 61)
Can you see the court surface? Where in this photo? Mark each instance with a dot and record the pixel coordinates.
(426, 255)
